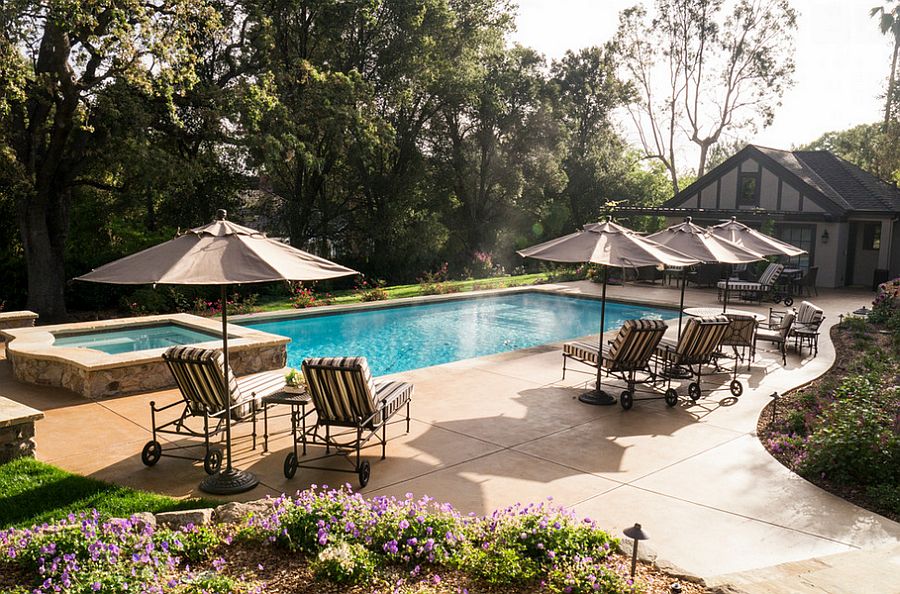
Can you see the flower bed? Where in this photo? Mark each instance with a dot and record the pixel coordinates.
(326, 536)
(842, 432)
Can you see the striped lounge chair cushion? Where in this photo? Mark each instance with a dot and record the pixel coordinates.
(200, 375)
(699, 340)
(631, 348)
(344, 392)
(766, 280)
(586, 352)
(809, 315)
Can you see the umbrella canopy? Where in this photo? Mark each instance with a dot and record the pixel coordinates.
(700, 243)
(753, 240)
(609, 244)
(217, 254)
(220, 253)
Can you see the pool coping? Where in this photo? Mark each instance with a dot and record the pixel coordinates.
(37, 342)
(323, 310)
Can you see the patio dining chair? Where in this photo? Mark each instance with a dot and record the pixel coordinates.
(741, 336)
(624, 357)
(807, 283)
(777, 331)
(806, 326)
(697, 348)
(351, 409)
(200, 376)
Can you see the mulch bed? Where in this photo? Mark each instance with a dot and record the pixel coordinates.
(287, 573)
(845, 353)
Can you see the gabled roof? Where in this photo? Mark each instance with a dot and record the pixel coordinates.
(839, 186)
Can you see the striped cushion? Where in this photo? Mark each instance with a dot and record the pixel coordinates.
(741, 286)
(808, 315)
(771, 274)
(634, 345)
(699, 340)
(394, 395)
(630, 349)
(344, 392)
(200, 375)
(583, 351)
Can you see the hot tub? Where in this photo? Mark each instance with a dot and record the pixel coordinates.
(124, 356)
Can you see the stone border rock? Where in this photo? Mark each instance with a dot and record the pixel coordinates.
(16, 430)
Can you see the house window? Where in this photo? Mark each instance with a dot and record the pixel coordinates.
(802, 236)
(748, 189)
(871, 236)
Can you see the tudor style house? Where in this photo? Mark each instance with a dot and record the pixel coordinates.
(847, 219)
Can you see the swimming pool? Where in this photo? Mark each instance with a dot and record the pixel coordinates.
(140, 338)
(412, 336)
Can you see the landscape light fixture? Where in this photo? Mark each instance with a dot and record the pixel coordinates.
(675, 588)
(635, 533)
(825, 236)
(774, 398)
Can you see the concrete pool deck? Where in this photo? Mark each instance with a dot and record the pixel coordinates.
(492, 431)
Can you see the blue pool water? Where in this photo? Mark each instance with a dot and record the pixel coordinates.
(141, 338)
(408, 337)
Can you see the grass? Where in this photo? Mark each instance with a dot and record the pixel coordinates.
(33, 492)
(403, 291)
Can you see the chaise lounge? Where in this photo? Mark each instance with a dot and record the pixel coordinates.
(200, 376)
(351, 409)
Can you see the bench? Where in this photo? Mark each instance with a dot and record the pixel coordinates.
(16, 429)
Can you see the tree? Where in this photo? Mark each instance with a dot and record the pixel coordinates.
(59, 58)
(587, 90)
(889, 22)
(715, 72)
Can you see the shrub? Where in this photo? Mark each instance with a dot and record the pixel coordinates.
(886, 497)
(345, 563)
(371, 291)
(856, 441)
(147, 302)
(585, 576)
(236, 305)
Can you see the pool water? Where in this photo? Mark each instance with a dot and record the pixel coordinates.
(139, 338)
(412, 336)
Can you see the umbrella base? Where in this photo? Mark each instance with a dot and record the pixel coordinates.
(229, 482)
(597, 398)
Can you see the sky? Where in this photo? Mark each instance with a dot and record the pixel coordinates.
(842, 59)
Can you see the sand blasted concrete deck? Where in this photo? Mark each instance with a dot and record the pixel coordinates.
(492, 431)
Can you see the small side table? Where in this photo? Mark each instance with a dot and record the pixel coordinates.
(297, 402)
(806, 336)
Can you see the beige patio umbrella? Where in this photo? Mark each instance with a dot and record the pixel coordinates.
(221, 253)
(753, 240)
(607, 244)
(693, 240)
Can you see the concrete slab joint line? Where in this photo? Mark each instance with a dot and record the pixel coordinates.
(492, 431)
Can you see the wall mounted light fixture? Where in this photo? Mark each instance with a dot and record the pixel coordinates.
(825, 236)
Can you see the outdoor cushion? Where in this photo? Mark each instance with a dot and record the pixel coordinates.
(809, 316)
(200, 375)
(344, 392)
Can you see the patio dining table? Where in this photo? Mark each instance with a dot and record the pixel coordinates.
(704, 312)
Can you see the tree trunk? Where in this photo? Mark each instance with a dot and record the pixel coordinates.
(891, 83)
(43, 224)
(704, 152)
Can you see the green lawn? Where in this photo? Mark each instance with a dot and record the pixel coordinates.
(33, 492)
(416, 290)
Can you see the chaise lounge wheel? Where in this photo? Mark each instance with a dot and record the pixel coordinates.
(671, 397)
(737, 388)
(788, 301)
(694, 390)
(212, 462)
(151, 453)
(627, 399)
(364, 471)
(290, 465)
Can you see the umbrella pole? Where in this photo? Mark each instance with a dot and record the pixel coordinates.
(598, 396)
(230, 480)
(681, 309)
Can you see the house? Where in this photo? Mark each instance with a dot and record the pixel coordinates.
(845, 218)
